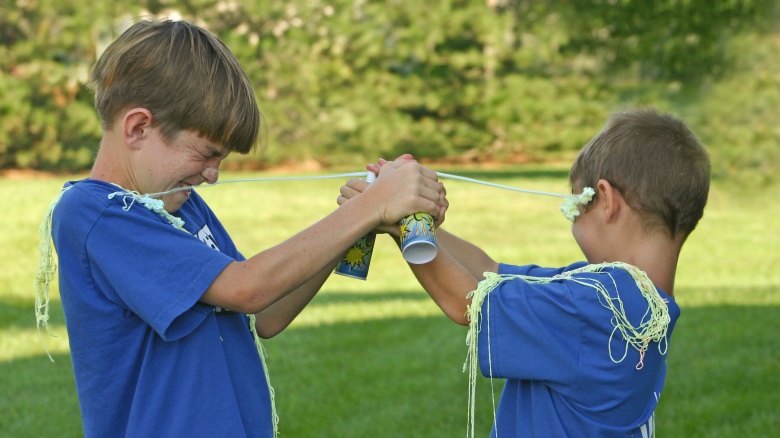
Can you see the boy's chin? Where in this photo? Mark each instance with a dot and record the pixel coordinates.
(174, 201)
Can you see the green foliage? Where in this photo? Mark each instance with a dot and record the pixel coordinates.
(663, 40)
(46, 117)
(343, 81)
(739, 114)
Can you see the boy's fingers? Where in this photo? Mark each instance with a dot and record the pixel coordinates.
(346, 193)
(405, 158)
(352, 188)
(429, 173)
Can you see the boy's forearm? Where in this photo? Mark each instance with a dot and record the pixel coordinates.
(253, 285)
(280, 314)
(258, 282)
(468, 255)
(448, 283)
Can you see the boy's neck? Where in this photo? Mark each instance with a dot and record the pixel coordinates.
(657, 255)
(110, 166)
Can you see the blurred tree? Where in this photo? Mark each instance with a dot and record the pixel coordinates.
(344, 81)
(669, 40)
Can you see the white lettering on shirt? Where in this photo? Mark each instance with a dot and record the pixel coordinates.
(205, 236)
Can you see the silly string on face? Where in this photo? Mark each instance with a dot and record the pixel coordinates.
(571, 205)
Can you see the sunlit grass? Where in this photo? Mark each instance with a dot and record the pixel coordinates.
(377, 358)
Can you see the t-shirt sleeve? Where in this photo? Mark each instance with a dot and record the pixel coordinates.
(530, 331)
(153, 269)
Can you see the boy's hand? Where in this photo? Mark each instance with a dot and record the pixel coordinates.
(444, 204)
(429, 188)
(354, 187)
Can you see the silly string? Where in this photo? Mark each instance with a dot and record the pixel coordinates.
(155, 205)
(569, 208)
(45, 272)
(652, 328)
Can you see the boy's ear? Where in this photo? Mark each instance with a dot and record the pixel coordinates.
(136, 125)
(611, 200)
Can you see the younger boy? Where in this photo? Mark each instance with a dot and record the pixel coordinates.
(154, 291)
(582, 347)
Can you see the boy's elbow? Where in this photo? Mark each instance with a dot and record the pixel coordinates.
(459, 319)
(267, 332)
(248, 300)
(455, 312)
(268, 326)
(233, 290)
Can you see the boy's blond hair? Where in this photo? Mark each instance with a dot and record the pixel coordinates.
(655, 162)
(184, 75)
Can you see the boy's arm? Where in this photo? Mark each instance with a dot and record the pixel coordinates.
(458, 267)
(448, 283)
(468, 255)
(454, 273)
(303, 260)
(276, 317)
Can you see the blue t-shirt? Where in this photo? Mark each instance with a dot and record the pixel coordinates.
(149, 359)
(551, 342)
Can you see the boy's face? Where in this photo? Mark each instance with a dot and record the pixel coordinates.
(187, 160)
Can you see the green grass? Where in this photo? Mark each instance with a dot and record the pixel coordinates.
(377, 358)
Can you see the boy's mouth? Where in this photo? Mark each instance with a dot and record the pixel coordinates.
(184, 184)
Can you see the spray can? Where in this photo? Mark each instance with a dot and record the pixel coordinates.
(356, 260)
(418, 238)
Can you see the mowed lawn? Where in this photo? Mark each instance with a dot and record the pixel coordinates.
(377, 358)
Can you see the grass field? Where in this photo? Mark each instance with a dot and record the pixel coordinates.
(377, 358)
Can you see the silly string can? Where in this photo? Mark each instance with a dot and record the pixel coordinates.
(418, 239)
(357, 258)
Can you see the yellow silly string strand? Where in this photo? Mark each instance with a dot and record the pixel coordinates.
(653, 328)
(263, 355)
(44, 275)
(474, 315)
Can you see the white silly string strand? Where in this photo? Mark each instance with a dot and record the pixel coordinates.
(280, 178)
(354, 174)
(569, 208)
(485, 183)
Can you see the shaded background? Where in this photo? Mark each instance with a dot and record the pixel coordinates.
(344, 81)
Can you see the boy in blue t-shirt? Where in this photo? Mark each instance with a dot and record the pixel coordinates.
(582, 347)
(155, 293)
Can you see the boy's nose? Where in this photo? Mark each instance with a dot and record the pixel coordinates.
(210, 175)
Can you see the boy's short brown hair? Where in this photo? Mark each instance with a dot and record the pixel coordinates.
(184, 75)
(655, 162)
